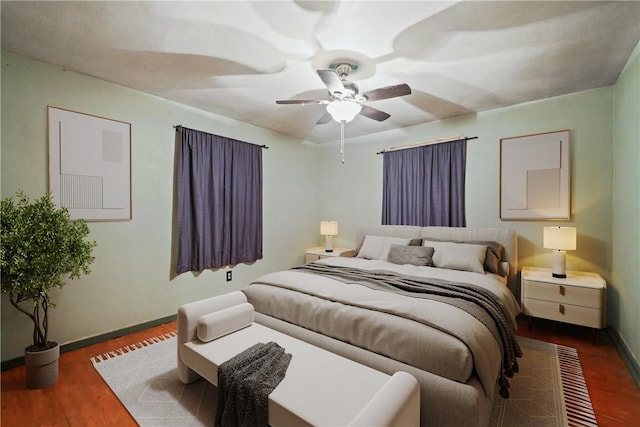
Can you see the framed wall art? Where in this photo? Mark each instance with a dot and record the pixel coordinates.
(90, 165)
(534, 177)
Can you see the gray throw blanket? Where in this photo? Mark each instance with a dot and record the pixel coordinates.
(245, 382)
(475, 300)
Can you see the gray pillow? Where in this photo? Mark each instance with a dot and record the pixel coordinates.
(414, 255)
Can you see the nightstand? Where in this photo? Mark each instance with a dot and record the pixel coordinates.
(314, 254)
(579, 299)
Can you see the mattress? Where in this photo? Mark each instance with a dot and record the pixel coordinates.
(428, 334)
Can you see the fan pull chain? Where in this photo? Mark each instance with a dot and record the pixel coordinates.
(342, 140)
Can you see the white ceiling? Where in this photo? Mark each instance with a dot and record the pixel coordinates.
(235, 58)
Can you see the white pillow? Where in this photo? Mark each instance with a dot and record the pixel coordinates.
(377, 247)
(458, 256)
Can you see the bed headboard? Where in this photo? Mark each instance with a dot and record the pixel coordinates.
(506, 237)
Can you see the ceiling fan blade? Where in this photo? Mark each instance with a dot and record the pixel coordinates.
(302, 101)
(388, 92)
(374, 114)
(324, 119)
(331, 80)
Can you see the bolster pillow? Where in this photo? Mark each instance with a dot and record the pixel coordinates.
(219, 323)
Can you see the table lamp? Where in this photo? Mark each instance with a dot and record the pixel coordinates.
(560, 239)
(329, 229)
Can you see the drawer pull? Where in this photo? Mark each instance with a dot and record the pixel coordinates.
(561, 308)
(561, 290)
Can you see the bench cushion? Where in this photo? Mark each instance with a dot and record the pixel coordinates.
(320, 387)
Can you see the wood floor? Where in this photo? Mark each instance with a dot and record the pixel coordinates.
(81, 398)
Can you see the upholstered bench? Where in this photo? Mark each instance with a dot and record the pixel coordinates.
(320, 388)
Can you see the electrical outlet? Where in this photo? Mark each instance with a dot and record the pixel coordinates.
(229, 276)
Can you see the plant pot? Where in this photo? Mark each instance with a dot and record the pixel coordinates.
(42, 367)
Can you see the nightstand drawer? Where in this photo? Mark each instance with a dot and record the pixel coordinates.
(564, 294)
(568, 313)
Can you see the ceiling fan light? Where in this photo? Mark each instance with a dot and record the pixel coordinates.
(343, 111)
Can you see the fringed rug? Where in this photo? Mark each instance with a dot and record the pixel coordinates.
(549, 390)
(144, 378)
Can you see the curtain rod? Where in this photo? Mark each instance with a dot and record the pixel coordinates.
(180, 126)
(435, 141)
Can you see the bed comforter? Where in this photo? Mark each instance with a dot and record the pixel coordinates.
(428, 334)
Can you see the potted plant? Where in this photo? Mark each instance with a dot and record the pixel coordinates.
(40, 248)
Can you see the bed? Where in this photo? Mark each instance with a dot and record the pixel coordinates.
(456, 340)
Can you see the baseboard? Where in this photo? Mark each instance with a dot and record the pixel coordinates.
(627, 356)
(19, 361)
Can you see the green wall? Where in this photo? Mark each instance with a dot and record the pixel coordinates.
(131, 279)
(624, 291)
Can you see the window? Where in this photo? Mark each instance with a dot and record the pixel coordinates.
(425, 185)
(219, 201)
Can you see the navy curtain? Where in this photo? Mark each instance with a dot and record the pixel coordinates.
(219, 201)
(425, 185)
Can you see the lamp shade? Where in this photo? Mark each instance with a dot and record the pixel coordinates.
(343, 111)
(560, 238)
(329, 228)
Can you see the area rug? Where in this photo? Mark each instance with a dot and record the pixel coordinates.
(144, 378)
(548, 391)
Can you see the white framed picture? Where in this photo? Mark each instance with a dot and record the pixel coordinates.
(90, 165)
(534, 177)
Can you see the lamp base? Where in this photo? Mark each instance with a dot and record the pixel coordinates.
(559, 265)
(328, 244)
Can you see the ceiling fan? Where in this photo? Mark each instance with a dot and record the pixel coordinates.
(346, 102)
